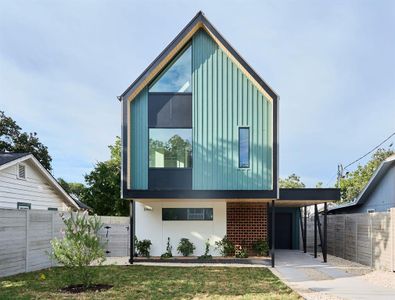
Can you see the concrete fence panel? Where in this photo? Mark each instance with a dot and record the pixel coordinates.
(25, 237)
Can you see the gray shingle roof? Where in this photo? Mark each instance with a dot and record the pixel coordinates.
(6, 157)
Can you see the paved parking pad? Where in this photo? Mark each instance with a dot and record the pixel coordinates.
(314, 279)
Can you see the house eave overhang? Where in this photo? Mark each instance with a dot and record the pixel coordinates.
(160, 62)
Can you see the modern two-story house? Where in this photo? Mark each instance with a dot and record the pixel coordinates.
(200, 150)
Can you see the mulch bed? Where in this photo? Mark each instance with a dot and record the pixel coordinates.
(222, 260)
(79, 288)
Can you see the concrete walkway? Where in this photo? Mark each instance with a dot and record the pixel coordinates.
(314, 279)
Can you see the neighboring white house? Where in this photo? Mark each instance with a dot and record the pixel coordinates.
(377, 196)
(26, 184)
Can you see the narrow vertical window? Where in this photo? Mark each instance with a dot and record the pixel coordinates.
(244, 147)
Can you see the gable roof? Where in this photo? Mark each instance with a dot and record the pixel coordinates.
(8, 159)
(370, 186)
(198, 22)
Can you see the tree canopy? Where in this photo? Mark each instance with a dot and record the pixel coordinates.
(103, 189)
(291, 182)
(74, 188)
(13, 139)
(353, 182)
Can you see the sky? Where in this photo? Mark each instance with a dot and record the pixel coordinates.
(62, 64)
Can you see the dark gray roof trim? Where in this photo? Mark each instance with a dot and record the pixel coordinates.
(310, 194)
(199, 18)
(371, 185)
(6, 157)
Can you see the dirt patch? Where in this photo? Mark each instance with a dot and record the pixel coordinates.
(79, 288)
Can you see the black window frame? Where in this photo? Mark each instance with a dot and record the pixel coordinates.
(249, 147)
(23, 204)
(169, 168)
(206, 216)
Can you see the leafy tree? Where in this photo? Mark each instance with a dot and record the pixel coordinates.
(291, 182)
(12, 139)
(354, 182)
(74, 188)
(104, 184)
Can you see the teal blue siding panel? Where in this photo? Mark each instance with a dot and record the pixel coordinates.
(223, 100)
(139, 141)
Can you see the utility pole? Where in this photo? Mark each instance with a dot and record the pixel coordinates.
(339, 174)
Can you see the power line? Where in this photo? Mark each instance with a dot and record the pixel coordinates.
(363, 156)
(357, 160)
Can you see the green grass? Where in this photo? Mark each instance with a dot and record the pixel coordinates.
(153, 282)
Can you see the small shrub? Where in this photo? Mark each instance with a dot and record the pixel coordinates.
(261, 247)
(185, 247)
(225, 247)
(79, 247)
(168, 253)
(143, 247)
(240, 252)
(206, 254)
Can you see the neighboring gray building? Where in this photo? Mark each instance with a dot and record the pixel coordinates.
(377, 196)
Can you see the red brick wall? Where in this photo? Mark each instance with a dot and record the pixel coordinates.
(246, 223)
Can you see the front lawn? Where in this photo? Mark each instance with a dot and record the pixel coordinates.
(153, 282)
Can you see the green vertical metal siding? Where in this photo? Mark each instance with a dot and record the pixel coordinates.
(139, 141)
(223, 100)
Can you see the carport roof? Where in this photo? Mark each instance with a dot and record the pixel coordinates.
(307, 196)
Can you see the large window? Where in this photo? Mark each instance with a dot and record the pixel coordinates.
(177, 77)
(244, 147)
(170, 148)
(187, 214)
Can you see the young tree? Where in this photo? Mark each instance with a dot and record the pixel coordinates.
(354, 182)
(12, 139)
(79, 247)
(291, 182)
(104, 184)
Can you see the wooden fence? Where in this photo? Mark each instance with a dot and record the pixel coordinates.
(366, 238)
(25, 237)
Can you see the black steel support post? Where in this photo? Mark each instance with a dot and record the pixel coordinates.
(269, 225)
(325, 246)
(301, 225)
(319, 230)
(305, 230)
(315, 230)
(132, 230)
(273, 232)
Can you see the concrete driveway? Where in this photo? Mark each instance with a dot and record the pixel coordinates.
(314, 279)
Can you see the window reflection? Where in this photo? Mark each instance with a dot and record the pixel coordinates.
(244, 147)
(177, 77)
(170, 148)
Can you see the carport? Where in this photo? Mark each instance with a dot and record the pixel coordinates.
(288, 217)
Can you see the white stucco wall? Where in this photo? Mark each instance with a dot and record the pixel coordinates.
(149, 225)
